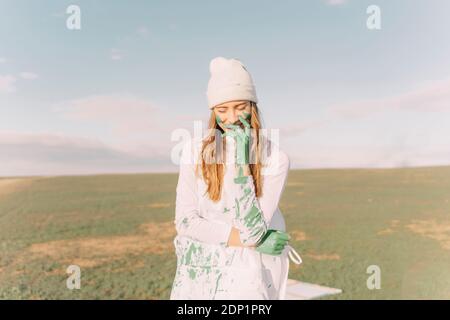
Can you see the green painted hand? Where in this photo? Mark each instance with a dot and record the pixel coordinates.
(242, 137)
(273, 242)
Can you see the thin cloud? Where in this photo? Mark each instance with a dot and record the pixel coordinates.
(115, 55)
(28, 75)
(126, 114)
(143, 31)
(433, 97)
(7, 83)
(336, 2)
(136, 125)
(295, 129)
(56, 154)
(367, 156)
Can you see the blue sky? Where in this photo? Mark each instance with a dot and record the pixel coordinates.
(107, 98)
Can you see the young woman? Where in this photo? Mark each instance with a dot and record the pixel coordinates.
(230, 241)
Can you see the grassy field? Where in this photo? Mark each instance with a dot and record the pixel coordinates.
(119, 230)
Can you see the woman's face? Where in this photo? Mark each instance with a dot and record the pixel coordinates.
(229, 112)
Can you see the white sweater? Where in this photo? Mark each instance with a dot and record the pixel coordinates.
(206, 267)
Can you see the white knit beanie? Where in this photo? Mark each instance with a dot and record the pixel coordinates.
(229, 81)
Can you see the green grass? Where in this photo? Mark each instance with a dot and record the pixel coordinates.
(341, 212)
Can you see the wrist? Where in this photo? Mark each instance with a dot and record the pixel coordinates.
(235, 239)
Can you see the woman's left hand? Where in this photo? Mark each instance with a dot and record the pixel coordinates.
(273, 242)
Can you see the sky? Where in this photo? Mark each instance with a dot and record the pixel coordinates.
(112, 96)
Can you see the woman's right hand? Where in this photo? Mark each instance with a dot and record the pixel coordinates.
(242, 138)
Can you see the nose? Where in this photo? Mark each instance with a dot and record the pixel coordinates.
(232, 116)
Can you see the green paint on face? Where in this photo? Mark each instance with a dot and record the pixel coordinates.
(218, 120)
(226, 210)
(246, 115)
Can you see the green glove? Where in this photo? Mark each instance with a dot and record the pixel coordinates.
(273, 242)
(242, 138)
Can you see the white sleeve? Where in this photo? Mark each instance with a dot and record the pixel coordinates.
(248, 217)
(188, 222)
(274, 181)
(253, 215)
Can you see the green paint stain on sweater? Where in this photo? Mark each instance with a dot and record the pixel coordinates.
(253, 217)
(192, 274)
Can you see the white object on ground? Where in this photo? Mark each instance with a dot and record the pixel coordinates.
(297, 290)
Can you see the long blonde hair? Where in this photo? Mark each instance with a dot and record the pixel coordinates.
(210, 164)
